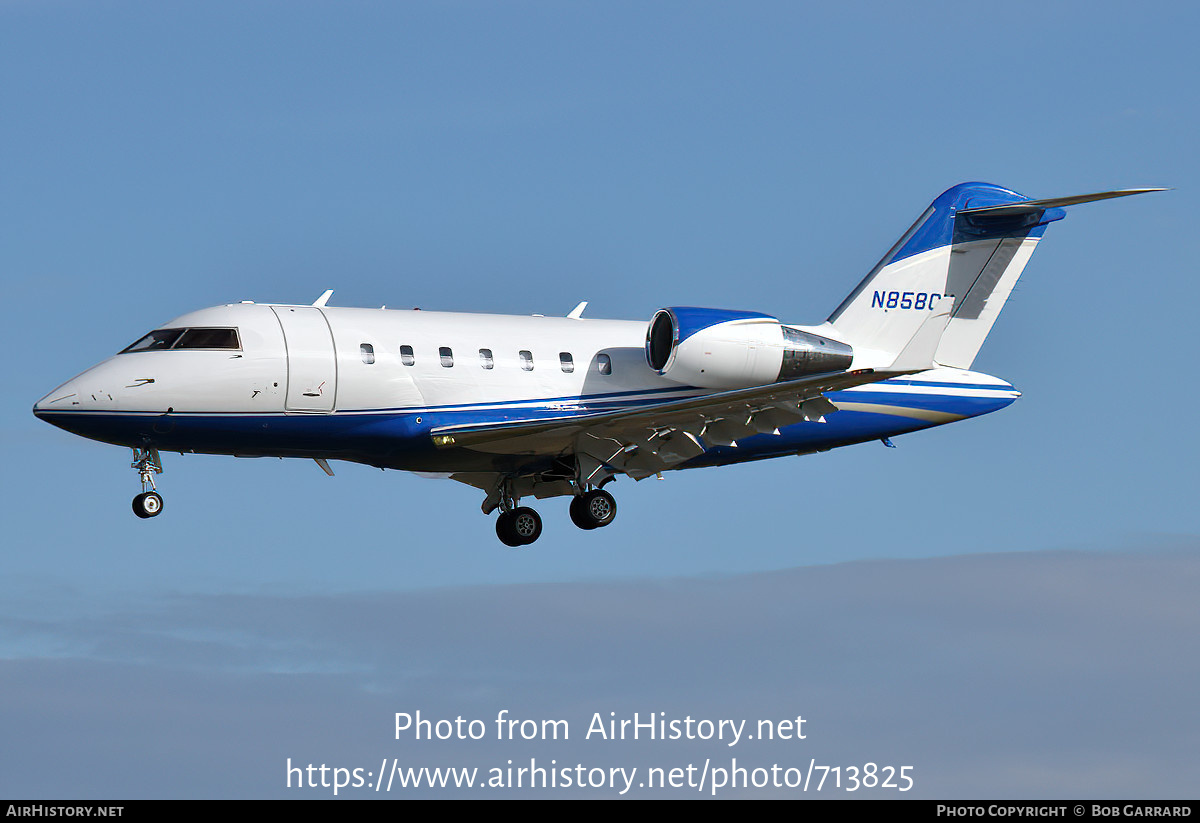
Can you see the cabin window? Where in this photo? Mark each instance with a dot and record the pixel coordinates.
(406, 355)
(368, 353)
(485, 358)
(604, 364)
(566, 361)
(526, 360)
(447, 357)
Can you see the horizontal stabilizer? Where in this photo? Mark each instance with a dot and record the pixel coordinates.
(1030, 206)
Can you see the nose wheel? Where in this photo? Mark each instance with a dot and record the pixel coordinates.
(147, 504)
(147, 462)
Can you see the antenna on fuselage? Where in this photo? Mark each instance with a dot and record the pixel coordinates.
(323, 299)
(577, 312)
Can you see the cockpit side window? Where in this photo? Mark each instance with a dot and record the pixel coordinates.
(208, 339)
(155, 341)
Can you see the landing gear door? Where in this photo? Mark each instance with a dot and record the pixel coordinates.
(312, 367)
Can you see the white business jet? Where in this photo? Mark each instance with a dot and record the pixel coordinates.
(560, 406)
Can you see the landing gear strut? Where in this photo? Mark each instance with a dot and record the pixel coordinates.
(149, 503)
(594, 509)
(516, 525)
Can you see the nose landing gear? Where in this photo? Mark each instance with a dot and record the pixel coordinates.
(149, 503)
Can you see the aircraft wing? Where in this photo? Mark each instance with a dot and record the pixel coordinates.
(643, 440)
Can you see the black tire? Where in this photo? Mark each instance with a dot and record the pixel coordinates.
(579, 515)
(504, 530)
(519, 527)
(527, 524)
(147, 504)
(598, 507)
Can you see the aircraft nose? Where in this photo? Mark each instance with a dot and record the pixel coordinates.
(57, 400)
(68, 407)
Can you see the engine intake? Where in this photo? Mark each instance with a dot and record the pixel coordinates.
(723, 349)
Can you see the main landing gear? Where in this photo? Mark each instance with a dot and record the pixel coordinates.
(520, 525)
(594, 509)
(149, 503)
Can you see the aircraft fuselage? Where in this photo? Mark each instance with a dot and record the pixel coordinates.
(370, 385)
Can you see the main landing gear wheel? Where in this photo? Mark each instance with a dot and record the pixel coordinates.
(147, 504)
(593, 509)
(519, 527)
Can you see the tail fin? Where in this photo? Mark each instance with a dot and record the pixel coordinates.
(972, 243)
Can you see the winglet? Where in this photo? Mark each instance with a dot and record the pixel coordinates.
(323, 299)
(577, 312)
(917, 354)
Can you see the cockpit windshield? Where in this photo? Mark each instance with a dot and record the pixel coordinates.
(161, 339)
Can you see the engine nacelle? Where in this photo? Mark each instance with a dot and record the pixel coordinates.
(722, 349)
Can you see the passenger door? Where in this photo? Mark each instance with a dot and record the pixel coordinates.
(312, 367)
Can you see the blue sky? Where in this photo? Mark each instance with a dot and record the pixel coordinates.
(521, 158)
